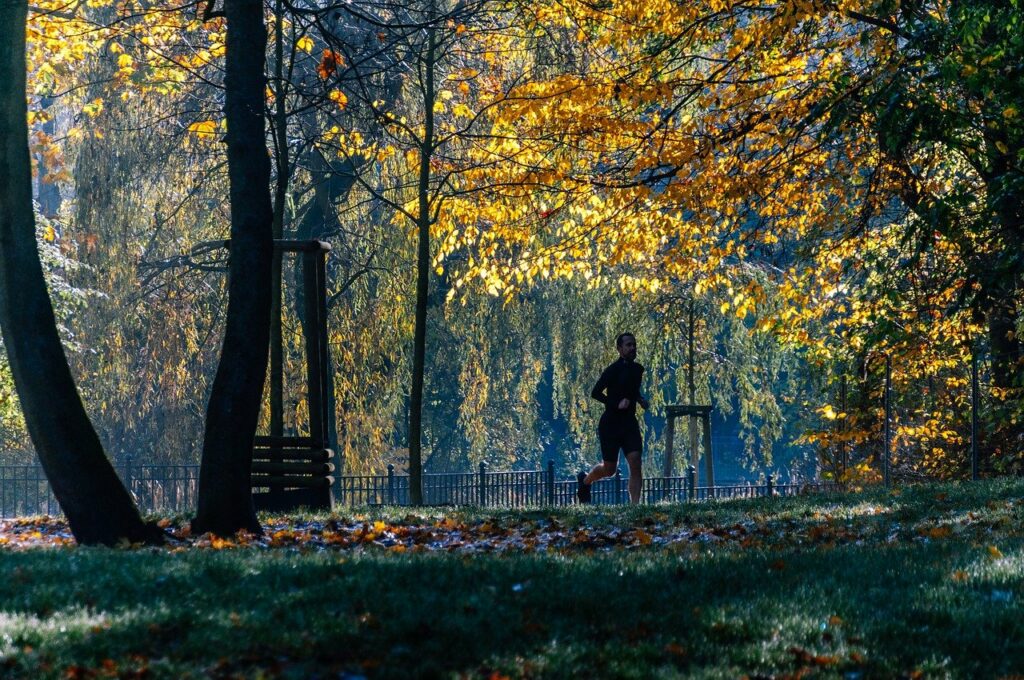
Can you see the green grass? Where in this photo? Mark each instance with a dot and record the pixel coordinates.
(852, 586)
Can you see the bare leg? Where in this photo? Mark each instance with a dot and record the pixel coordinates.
(600, 471)
(636, 476)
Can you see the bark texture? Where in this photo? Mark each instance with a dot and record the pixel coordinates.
(98, 508)
(225, 490)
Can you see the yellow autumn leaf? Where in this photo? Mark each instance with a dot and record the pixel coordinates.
(994, 552)
(204, 129)
(49, 234)
(339, 98)
(305, 43)
(125, 61)
(93, 108)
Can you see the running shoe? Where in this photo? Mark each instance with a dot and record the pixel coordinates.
(582, 490)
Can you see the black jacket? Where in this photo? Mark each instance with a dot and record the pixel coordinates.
(620, 380)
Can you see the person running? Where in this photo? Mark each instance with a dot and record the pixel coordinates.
(618, 389)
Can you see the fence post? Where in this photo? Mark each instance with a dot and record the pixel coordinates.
(483, 484)
(618, 486)
(888, 419)
(770, 485)
(974, 414)
(551, 482)
(691, 482)
(391, 484)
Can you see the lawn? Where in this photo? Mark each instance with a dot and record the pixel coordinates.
(925, 581)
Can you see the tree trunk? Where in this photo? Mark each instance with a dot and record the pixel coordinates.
(97, 506)
(225, 491)
(422, 282)
(1007, 352)
(280, 196)
(49, 194)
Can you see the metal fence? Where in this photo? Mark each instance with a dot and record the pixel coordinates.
(24, 490)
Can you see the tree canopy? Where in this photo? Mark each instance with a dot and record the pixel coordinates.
(507, 185)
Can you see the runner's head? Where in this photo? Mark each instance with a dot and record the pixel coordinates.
(626, 344)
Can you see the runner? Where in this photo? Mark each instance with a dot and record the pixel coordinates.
(618, 389)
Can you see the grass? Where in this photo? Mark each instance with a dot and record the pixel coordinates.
(924, 582)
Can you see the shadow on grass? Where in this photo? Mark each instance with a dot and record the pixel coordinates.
(942, 608)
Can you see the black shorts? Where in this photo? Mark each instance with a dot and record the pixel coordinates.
(618, 436)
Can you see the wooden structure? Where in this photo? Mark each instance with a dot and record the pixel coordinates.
(291, 471)
(694, 412)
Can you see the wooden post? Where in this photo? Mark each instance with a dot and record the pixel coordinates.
(694, 442)
(314, 354)
(670, 432)
(327, 372)
(709, 459)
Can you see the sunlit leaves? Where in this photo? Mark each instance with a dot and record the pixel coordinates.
(203, 129)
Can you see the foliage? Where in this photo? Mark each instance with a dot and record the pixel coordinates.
(828, 184)
(60, 268)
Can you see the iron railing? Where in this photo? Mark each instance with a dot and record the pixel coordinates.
(24, 490)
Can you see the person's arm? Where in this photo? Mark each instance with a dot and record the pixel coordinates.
(599, 389)
(639, 397)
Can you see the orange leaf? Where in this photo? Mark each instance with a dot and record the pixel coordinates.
(329, 64)
(943, 531)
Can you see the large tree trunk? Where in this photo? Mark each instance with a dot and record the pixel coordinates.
(225, 491)
(95, 502)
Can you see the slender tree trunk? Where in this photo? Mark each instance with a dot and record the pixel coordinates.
(280, 195)
(1007, 351)
(422, 283)
(49, 193)
(92, 497)
(225, 490)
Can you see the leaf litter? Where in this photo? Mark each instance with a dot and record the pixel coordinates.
(526, 532)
